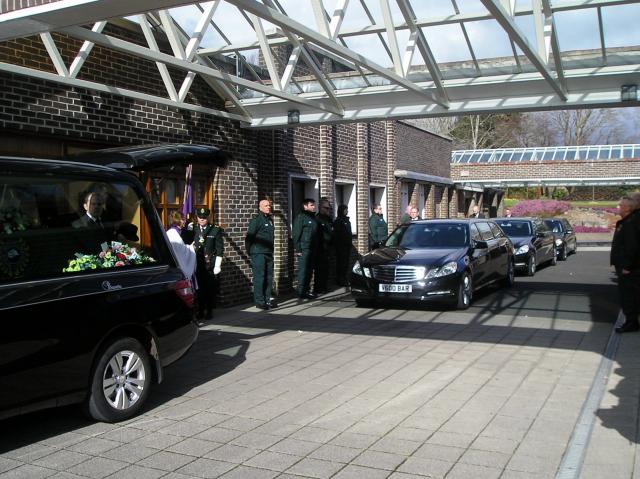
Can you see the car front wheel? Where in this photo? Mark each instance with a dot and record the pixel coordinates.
(510, 278)
(531, 265)
(465, 291)
(121, 381)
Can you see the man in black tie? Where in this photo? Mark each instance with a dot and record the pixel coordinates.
(93, 231)
(476, 212)
(93, 204)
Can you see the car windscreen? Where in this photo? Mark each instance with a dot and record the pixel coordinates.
(430, 235)
(515, 228)
(53, 226)
(555, 225)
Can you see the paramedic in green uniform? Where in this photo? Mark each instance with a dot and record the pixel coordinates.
(259, 245)
(305, 240)
(377, 228)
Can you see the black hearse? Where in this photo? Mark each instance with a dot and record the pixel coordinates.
(92, 303)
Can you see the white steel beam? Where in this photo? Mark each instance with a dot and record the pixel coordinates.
(552, 37)
(337, 18)
(391, 37)
(74, 82)
(266, 51)
(54, 54)
(309, 35)
(84, 51)
(321, 18)
(425, 51)
(518, 37)
(137, 50)
(162, 68)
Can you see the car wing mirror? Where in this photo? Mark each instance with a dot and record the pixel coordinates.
(479, 244)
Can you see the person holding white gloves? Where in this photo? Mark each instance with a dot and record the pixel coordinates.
(209, 247)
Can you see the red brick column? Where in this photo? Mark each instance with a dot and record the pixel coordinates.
(327, 173)
(453, 203)
(393, 194)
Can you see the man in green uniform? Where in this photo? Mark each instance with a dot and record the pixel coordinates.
(343, 239)
(325, 246)
(209, 247)
(259, 245)
(305, 240)
(377, 228)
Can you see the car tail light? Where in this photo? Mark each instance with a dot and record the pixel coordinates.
(184, 291)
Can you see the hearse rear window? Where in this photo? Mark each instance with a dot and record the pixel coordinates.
(64, 226)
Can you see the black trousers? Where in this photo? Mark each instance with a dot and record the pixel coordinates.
(343, 256)
(207, 291)
(305, 271)
(629, 289)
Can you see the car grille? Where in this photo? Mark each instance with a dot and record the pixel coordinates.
(396, 274)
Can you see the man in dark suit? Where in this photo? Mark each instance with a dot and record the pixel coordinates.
(93, 232)
(209, 246)
(625, 258)
(475, 213)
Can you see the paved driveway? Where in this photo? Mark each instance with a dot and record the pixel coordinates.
(324, 389)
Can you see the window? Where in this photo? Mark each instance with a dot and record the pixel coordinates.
(515, 228)
(485, 231)
(475, 234)
(64, 225)
(346, 195)
(167, 194)
(378, 195)
(434, 235)
(495, 229)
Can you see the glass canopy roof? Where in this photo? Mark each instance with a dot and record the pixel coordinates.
(356, 60)
(552, 153)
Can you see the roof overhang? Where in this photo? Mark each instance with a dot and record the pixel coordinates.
(411, 83)
(526, 182)
(422, 178)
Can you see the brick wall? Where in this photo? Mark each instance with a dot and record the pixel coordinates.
(546, 169)
(422, 151)
(52, 114)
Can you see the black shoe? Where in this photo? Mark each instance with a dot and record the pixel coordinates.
(272, 304)
(262, 306)
(308, 296)
(628, 327)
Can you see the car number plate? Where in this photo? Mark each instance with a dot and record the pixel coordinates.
(394, 288)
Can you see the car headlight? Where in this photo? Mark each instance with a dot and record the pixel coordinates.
(523, 249)
(357, 269)
(558, 242)
(445, 270)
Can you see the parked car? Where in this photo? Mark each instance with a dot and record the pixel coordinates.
(565, 238)
(533, 242)
(92, 303)
(435, 260)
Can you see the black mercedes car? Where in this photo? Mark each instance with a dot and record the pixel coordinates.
(435, 260)
(565, 238)
(533, 242)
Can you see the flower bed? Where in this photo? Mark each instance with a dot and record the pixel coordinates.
(115, 255)
(591, 229)
(544, 208)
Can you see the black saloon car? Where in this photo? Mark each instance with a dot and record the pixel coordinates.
(565, 238)
(435, 260)
(93, 304)
(533, 242)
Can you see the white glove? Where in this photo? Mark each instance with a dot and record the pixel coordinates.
(217, 267)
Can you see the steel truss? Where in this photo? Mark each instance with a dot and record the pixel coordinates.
(360, 89)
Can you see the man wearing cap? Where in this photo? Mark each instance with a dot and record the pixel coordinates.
(209, 247)
(259, 244)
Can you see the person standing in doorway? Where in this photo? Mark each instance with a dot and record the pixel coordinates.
(475, 212)
(305, 243)
(414, 214)
(406, 216)
(209, 248)
(259, 243)
(343, 243)
(325, 248)
(625, 258)
(377, 228)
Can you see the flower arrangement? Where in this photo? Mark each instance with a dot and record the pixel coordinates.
(115, 255)
(12, 219)
(545, 208)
